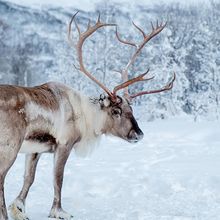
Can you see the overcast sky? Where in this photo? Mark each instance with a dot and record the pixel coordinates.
(89, 4)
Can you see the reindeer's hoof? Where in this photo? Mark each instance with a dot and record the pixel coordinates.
(17, 210)
(60, 214)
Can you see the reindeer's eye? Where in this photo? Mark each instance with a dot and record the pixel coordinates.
(116, 112)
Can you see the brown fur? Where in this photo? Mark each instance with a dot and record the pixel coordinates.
(16, 96)
(42, 95)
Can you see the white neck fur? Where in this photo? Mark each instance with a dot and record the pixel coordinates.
(90, 120)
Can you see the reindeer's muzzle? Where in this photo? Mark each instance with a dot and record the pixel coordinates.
(135, 135)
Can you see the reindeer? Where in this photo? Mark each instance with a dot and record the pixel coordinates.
(55, 118)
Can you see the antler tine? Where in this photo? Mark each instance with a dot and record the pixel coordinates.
(70, 25)
(89, 24)
(142, 32)
(157, 24)
(152, 25)
(132, 81)
(77, 27)
(82, 37)
(123, 41)
(170, 84)
(99, 17)
(167, 87)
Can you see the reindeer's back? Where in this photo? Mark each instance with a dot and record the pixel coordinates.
(46, 95)
(11, 97)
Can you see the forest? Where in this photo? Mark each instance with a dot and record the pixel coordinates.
(34, 49)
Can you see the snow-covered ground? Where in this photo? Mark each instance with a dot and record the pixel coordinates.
(173, 174)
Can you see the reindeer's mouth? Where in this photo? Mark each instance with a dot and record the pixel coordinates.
(132, 141)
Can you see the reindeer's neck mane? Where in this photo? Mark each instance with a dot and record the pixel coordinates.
(90, 120)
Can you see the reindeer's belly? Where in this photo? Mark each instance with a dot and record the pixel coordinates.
(38, 142)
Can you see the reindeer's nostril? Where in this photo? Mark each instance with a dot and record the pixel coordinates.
(135, 136)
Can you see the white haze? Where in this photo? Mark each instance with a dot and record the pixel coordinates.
(89, 5)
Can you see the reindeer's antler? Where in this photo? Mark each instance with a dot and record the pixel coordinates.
(146, 37)
(168, 86)
(82, 37)
(126, 82)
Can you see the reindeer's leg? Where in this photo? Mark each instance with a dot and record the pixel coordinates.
(31, 161)
(60, 158)
(8, 154)
(12, 130)
(3, 211)
(17, 208)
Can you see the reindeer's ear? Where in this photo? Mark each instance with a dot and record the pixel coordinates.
(107, 102)
(104, 101)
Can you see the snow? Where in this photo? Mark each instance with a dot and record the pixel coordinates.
(173, 174)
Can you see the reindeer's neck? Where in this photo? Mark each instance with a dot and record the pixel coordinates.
(90, 119)
(95, 116)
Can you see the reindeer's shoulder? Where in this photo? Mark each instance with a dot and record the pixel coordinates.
(43, 95)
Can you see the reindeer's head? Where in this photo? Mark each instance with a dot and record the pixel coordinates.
(121, 121)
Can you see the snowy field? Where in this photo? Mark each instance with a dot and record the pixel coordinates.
(173, 174)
